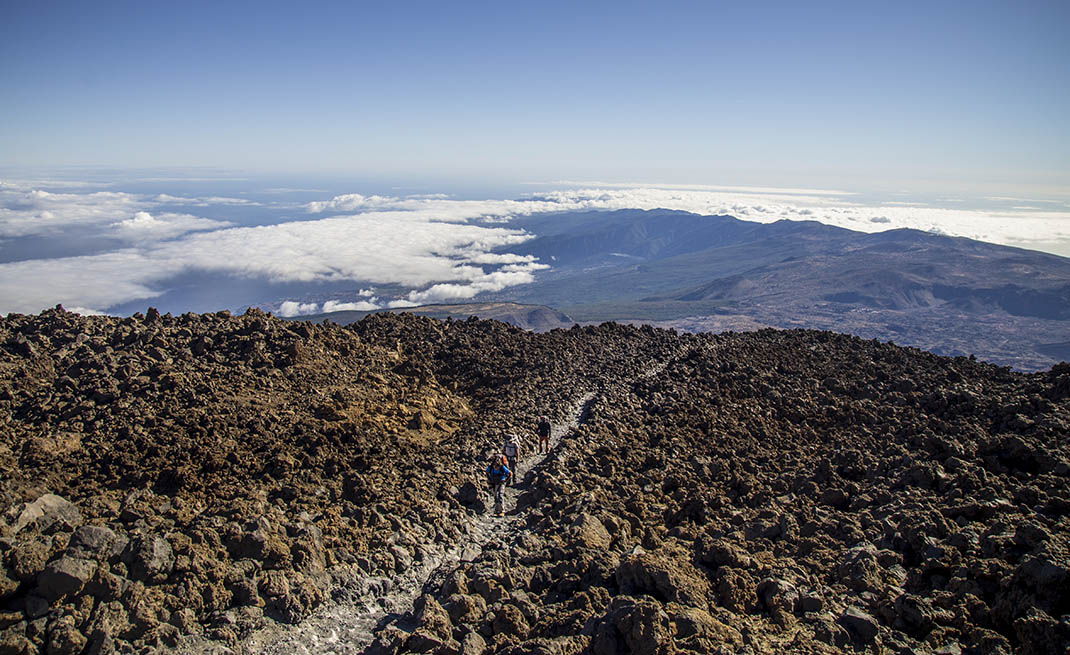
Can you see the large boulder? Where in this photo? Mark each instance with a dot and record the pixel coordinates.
(1039, 633)
(780, 598)
(29, 557)
(722, 552)
(664, 578)
(64, 577)
(388, 641)
(736, 589)
(95, 542)
(64, 638)
(510, 622)
(915, 615)
(14, 641)
(633, 625)
(471, 497)
(698, 628)
(473, 644)
(589, 532)
(465, 608)
(862, 627)
(150, 558)
(860, 569)
(432, 617)
(48, 513)
(307, 551)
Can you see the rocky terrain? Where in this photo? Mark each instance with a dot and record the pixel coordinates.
(181, 475)
(246, 484)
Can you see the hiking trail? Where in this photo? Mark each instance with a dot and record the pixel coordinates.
(348, 622)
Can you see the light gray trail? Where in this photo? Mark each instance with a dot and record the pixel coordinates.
(346, 626)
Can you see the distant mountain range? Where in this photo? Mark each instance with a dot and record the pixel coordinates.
(947, 294)
(667, 256)
(950, 295)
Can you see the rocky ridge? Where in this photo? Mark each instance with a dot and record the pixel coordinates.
(179, 480)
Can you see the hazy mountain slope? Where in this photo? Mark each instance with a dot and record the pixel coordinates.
(902, 284)
(903, 269)
(592, 238)
(700, 257)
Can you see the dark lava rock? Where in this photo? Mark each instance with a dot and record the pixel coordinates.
(780, 598)
(64, 577)
(662, 578)
(150, 558)
(64, 638)
(862, 627)
(209, 473)
(95, 542)
(469, 494)
(633, 625)
(48, 513)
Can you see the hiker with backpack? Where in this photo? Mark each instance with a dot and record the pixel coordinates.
(512, 457)
(497, 474)
(543, 429)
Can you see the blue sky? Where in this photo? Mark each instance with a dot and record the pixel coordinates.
(956, 96)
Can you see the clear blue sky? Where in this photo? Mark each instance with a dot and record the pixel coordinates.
(957, 94)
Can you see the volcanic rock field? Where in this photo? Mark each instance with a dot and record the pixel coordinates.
(242, 484)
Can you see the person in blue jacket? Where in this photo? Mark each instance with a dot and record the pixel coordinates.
(498, 474)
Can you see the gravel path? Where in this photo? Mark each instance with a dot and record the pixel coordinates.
(345, 626)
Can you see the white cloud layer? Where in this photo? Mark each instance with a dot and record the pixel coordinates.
(291, 308)
(37, 213)
(164, 198)
(407, 248)
(94, 282)
(295, 308)
(41, 213)
(762, 205)
(703, 187)
(359, 306)
(441, 248)
(144, 226)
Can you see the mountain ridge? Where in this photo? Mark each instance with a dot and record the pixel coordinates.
(679, 265)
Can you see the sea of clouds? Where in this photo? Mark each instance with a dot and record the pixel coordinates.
(438, 248)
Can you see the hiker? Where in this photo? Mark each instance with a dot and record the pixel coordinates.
(512, 457)
(497, 474)
(543, 430)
